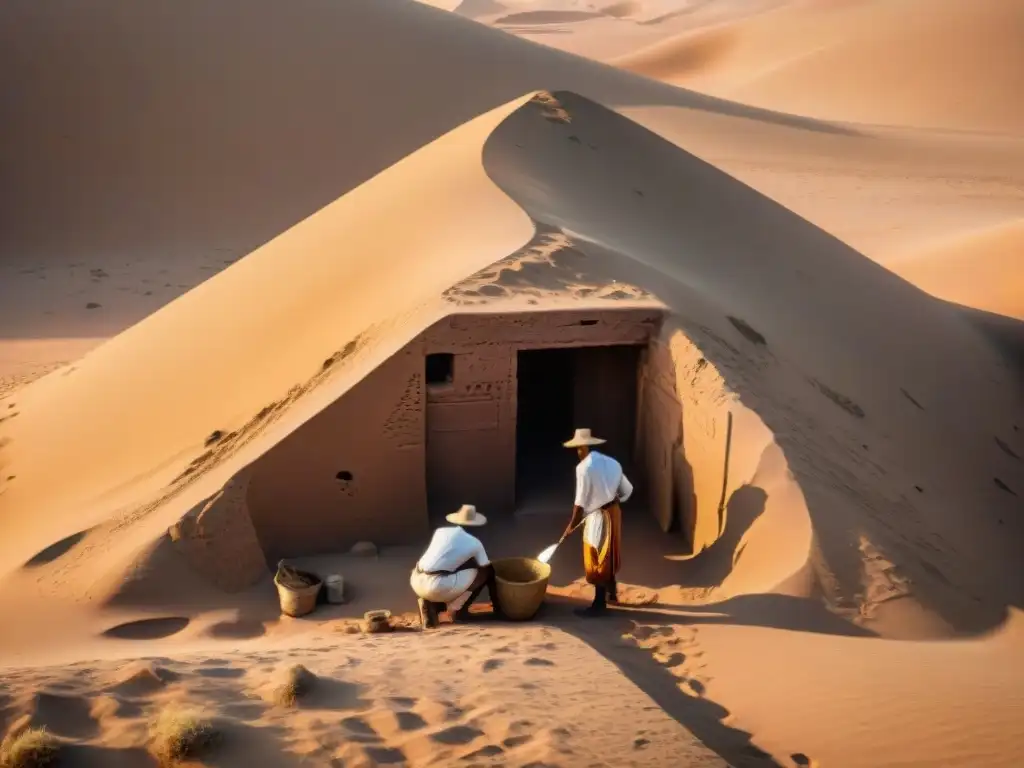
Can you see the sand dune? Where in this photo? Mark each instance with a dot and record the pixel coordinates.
(868, 497)
(603, 31)
(789, 373)
(85, 260)
(183, 156)
(983, 270)
(951, 65)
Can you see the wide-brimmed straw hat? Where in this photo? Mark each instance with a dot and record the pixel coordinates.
(581, 438)
(467, 516)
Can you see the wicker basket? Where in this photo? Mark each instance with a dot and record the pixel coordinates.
(522, 583)
(296, 601)
(377, 621)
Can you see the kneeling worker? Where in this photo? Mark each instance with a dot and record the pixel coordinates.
(454, 569)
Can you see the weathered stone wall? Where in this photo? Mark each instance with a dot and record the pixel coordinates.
(354, 472)
(659, 444)
(685, 437)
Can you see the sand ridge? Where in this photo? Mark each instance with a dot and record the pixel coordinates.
(950, 66)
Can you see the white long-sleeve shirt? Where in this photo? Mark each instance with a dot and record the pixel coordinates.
(599, 480)
(450, 547)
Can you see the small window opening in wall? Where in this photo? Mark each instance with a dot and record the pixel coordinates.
(588, 322)
(440, 369)
(344, 476)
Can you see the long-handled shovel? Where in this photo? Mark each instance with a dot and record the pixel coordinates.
(547, 554)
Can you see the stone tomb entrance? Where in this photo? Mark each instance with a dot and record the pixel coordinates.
(473, 410)
(504, 392)
(558, 390)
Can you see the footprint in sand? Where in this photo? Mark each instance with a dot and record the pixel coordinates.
(799, 758)
(517, 741)
(536, 661)
(491, 750)
(492, 664)
(696, 687)
(410, 721)
(221, 672)
(385, 755)
(360, 730)
(644, 632)
(674, 660)
(457, 735)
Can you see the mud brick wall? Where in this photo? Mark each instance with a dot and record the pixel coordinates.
(354, 472)
(372, 464)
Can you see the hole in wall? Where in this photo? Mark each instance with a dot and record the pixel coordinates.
(588, 322)
(344, 476)
(440, 369)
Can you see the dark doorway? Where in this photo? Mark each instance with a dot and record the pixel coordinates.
(544, 420)
(559, 390)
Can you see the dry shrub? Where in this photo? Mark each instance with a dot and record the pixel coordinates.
(297, 683)
(30, 748)
(176, 735)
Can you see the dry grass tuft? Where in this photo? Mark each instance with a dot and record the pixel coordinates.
(298, 681)
(31, 748)
(177, 735)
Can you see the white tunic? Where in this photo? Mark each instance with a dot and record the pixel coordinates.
(449, 548)
(599, 480)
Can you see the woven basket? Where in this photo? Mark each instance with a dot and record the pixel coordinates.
(522, 583)
(296, 601)
(377, 621)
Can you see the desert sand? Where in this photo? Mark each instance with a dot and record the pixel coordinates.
(204, 203)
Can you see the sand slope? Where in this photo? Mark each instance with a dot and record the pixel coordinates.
(952, 65)
(187, 154)
(156, 198)
(763, 304)
(984, 270)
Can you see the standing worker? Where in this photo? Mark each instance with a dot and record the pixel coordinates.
(600, 486)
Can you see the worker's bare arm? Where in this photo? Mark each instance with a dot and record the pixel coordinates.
(577, 516)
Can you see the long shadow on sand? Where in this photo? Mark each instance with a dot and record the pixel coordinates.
(704, 718)
(701, 716)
